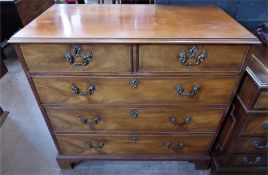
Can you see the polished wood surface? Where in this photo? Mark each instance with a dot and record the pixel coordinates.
(50, 58)
(147, 120)
(123, 145)
(29, 10)
(249, 147)
(57, 90)
(242, 145)
(118, 36)
(134, 24)
(238, 160)
(164, 58)
(256, 125)
(258, 65)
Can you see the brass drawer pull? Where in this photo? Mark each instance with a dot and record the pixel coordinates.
(76, 90)
(134, 83)
(180, 145)
(265, 124)
(134, 113)
(187, 120)
(76, 51)
(257, 160)
(83, 119)
(99, 145)
(192, 53)
(133, 139)
(257, 145)
(195, 90)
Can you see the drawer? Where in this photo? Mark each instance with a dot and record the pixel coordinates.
(253, 97)
(135, 119)
(256, 125)
(167, 58)
(184, 90)
(82, 58)
(86, 145)
(251, 145)
(246, 160)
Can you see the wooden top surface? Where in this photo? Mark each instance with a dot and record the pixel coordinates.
(134, 24)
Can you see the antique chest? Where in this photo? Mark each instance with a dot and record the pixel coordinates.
(242, 145)
(133, 82)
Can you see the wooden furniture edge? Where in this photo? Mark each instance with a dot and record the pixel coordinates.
(24, 66)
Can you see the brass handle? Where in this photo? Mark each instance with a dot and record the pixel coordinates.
(247, 161)
(194, 91)
(99, 145)
(133, 139)
(76, 51)
(257, 145)
(76, 90)
(134, 83)
(84, 120)
(265, 124)
(187, 120)
(179, 145)
(134, 114)
(192, 53)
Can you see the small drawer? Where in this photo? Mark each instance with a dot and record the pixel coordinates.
(86, 145)
(256, 125)
(251, 145)
(191, 58)
(253, 97)
(246, 160)
(65, 58)
(135, 90)
(135, 119)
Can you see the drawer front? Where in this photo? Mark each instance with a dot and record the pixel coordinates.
(92, 58)
(256, 125)
(262, 101)
(167, 58)
(83, 145)
(252, 145)
(183, 90)
(143, 120)
(246, 160)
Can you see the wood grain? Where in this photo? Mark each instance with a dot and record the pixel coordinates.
(164, 58)
(134, 23)
(57, 90)
(147, 120)
(245, 145)
(255, 125)
(50, 58)
(238, 160)
(145, 145)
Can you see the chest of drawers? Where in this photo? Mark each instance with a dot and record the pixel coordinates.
(133, 82)
(242, 145)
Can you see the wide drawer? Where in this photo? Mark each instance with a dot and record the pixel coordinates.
(251, 145)
(246, 160)
(178, 58)
(85, 145)
(135, 119)
(67, 57)
(130, 90)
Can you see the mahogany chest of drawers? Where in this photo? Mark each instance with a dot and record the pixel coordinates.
(133, 82)
(242, 145)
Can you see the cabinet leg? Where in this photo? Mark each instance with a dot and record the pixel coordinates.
(66, 163)
(202, 164)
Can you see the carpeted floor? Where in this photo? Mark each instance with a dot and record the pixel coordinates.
(27, 148)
